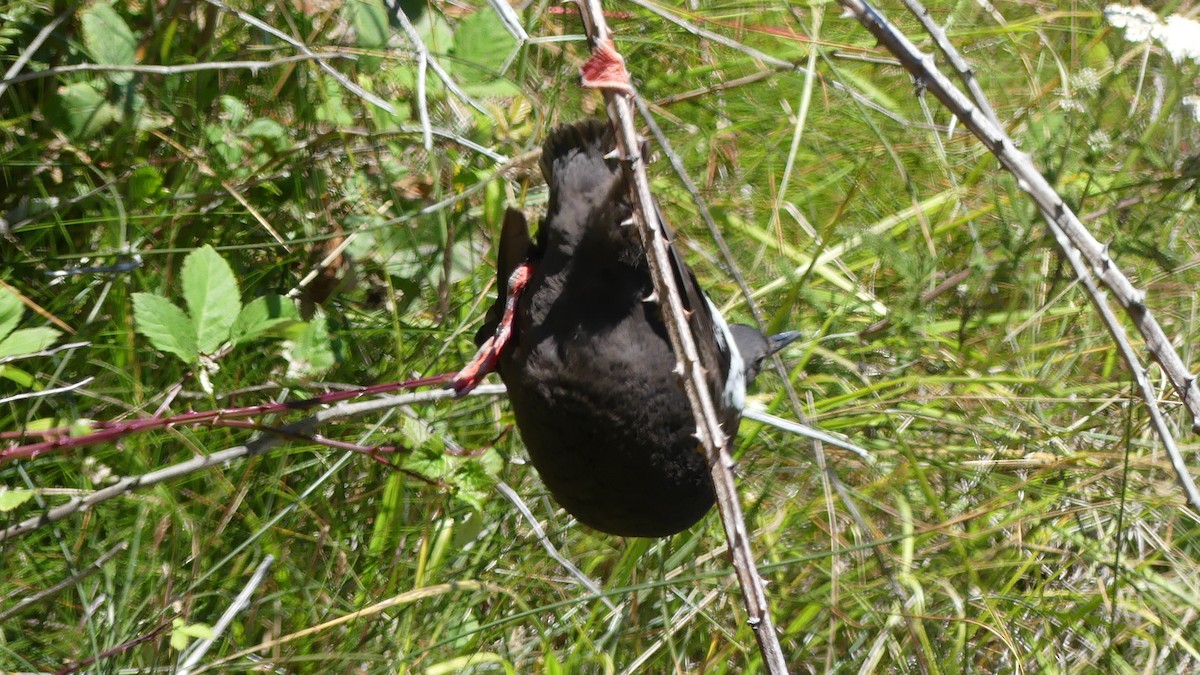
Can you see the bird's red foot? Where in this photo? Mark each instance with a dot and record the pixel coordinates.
(606, 70)
(485, 359)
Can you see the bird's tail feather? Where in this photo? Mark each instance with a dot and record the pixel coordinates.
(573, 159)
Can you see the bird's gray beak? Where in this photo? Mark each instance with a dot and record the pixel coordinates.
(777, 342)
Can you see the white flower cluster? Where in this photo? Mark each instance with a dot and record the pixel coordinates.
(1178, 35)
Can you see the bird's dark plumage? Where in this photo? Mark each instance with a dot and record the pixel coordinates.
(589, 366)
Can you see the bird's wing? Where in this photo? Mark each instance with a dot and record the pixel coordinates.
(713, 341)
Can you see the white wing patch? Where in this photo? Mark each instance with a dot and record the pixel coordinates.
(734, 395)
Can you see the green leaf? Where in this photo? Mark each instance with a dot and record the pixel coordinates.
(224, 144)
(182, 633)
(272, 134)
(212, 296)
(370, 19)
(10, 311)
(81, 111)
(495, 87)
(436, 33)
(438, 37)
(474, 485)
(490, 462)
(385, 120)
(165, 325)
(28, 341)
(82, 427)
(144, 183)
(14, 374)
(148, 120)
(432, 464)
(332, 108)
(421, 261)
(108, 40)
(482, 45)
(416, 434)
(309, 352)
(11, 499)
(234, 110)
(262, 315)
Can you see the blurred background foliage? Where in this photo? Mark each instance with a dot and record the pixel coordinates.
(1021, 516)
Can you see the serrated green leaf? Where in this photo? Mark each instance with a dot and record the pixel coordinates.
(28, 341)
(81, 110)
(268, 134)
(212, 296)
(262, 315)
(473, 485)
(11, 499)
(165, 325)
(224, 144)
(11, 310)
(490, 462)
(108, 40)
(436, 33)
(482, 45)
(416, 433)
(430, 464)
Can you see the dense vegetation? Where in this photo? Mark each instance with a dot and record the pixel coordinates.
(1020, 514)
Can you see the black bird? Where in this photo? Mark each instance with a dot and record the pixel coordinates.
(587, 361)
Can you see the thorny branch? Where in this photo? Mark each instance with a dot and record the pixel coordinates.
(606, 71)
(123, 486)
(1087, 256)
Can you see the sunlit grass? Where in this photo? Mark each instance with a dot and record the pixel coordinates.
(1020, 515)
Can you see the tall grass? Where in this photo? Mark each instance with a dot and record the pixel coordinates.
(1020, 515)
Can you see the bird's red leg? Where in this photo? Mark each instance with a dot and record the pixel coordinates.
(485, 359)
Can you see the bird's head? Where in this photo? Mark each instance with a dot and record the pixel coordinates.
(756, 347)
